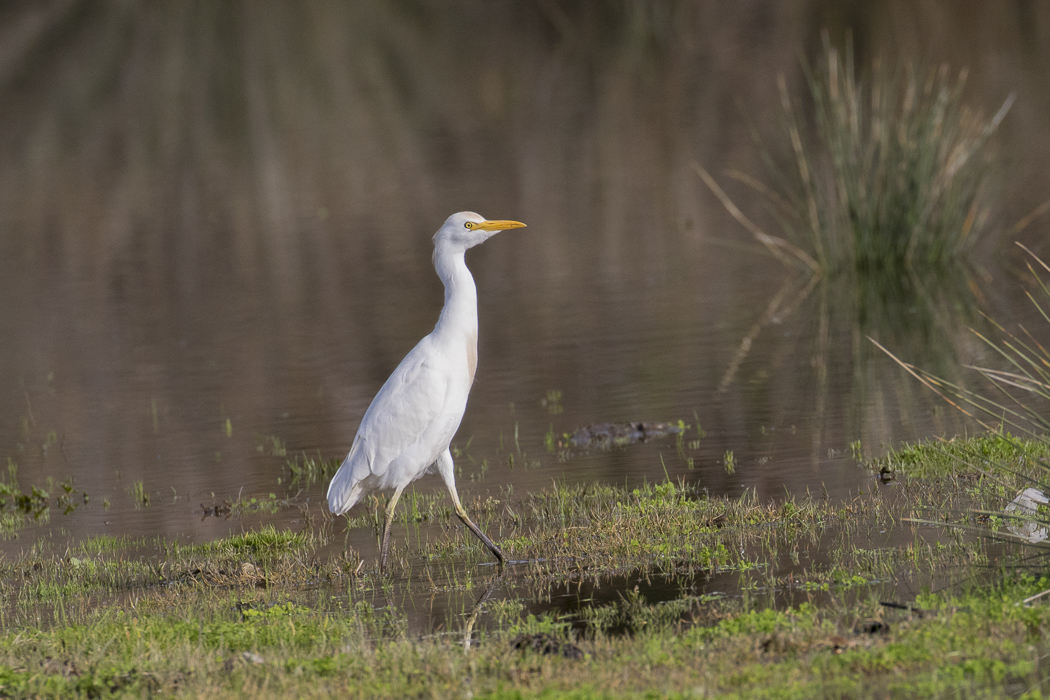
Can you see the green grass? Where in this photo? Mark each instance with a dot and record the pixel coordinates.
(974, 643)
(264, 612)
(736, 597)
(305, 470)
(265, 543)
(991, 452)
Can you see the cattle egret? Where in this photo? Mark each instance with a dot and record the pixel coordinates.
(407, 429)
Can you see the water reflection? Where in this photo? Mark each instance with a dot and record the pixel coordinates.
(215, 222)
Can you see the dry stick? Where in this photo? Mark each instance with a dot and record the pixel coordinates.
(1041, 209)
(761, 188)
(1018, 356)
(1039, 351)
(972, 399)
(776, 246)
(995, 536)
(910, 369)
(1018, 381)
(1029, 599)
(1038, 306)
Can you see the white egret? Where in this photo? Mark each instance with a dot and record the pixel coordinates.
(407, 429)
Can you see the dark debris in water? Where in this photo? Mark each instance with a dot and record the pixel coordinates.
(607, 435)
(887, 475)
(546, 644)
(222, 510)
(873, 627)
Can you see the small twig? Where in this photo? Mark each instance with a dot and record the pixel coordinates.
(904, 606)
(1022, 246)
(1023, 223)
(1030, 598)
(910, 369)
(776, 246)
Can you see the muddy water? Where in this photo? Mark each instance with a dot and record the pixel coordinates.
(215, 232)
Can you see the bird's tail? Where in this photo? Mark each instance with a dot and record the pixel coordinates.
(346, 488)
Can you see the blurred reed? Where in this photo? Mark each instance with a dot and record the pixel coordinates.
(891, 173)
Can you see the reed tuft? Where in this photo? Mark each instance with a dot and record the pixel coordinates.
(886, 174)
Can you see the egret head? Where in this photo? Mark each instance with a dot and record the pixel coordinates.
(467, 229)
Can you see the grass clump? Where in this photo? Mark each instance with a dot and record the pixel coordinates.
(1013, 469)
(966, 456)
(21, 507)
(593, 531)
(306, 471)
(266, 543)
(891, 174)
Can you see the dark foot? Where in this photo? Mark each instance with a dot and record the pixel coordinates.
(481, 536)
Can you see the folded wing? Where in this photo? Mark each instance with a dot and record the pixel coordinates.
(392, 429)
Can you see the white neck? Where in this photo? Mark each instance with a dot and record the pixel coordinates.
(461, 296)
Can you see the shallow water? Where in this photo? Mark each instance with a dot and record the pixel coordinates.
(215, 230)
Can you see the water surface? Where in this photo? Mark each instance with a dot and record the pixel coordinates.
(215, 230)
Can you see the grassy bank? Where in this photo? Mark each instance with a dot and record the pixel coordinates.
(731, 598)
(208, 642)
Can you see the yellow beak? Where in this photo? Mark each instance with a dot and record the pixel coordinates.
(499, 225)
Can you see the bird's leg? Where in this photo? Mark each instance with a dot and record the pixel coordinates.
(477, 531)
(386, 528)
(446, 469)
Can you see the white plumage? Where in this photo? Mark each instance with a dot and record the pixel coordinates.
(407, 429)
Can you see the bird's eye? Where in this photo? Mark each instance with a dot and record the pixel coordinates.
(469, 224)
